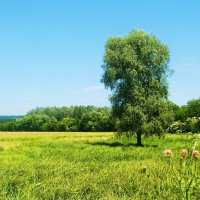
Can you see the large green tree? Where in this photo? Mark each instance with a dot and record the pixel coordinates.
(136, 70)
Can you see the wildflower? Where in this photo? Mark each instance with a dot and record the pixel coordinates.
(195, 153)
(167, 153)
(184, 153)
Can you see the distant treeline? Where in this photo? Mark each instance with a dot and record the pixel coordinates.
(90, 118)
(75, 118)
(8, 118)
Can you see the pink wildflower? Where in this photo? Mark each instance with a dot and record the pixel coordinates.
(167, 153)
(195, 153)
(184, 153)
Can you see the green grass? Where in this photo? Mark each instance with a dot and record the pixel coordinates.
(87, 166)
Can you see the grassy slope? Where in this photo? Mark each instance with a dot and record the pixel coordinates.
(86, 166)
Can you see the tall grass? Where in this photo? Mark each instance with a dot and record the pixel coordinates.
(87, 166)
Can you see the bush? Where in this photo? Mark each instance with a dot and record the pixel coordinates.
(177, 127)
(189, 125)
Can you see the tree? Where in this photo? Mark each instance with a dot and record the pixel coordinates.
(193, 108)
(68, 124)
(181, 113)
(136, 70)
(36, 123)
(61, 119)
(90, 121)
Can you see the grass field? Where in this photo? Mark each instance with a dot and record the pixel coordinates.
(89, 166)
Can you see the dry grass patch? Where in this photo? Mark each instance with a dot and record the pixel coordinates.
(8, 145)
(87, 138)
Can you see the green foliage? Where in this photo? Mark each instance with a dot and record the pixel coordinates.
(136, 69)
(8, 126)
(193, 108)
(75, 118)
(36, 123)
(68, 124)
(190, 125)
(176, 127)
(181, 113)
(94, 121)
(187, 118)
(8, 118)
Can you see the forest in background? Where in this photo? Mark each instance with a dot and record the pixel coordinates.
(9, 118)
(186, 118)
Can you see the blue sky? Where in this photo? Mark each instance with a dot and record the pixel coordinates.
(51, 52)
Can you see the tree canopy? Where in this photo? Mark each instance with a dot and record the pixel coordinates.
(136, 70)
(74, 118)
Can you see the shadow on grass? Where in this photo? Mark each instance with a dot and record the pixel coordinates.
(119, 144)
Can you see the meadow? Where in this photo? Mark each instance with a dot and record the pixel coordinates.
(90, 166)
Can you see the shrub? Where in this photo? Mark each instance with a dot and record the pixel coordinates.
(189, 125)
(177, 127)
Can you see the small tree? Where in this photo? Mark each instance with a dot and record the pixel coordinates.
(136, 70)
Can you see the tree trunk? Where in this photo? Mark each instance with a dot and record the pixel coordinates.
(139, 139)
